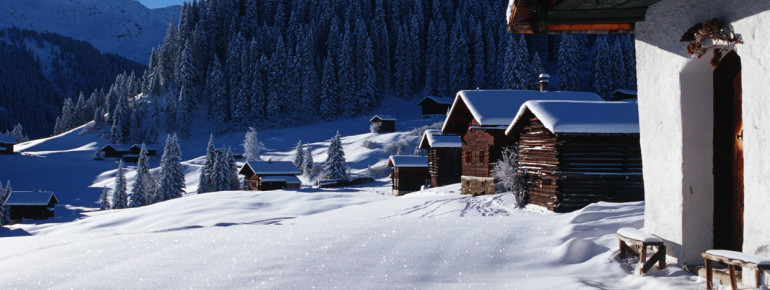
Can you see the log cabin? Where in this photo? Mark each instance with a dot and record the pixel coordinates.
(480, 118)
(444, 153)
(113, 150)
(435, 107)
(270, 175)
(410, 173)
(382, 124)
(702, 124)
(6, 144)
(575, 153)
(31, 204)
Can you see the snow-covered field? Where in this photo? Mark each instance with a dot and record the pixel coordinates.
(359, 237)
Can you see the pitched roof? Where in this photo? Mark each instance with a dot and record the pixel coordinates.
(7, 139)
(31, 198)
(287, 179)
(271, 168)
(436, 139)
(439, 100)
(407, 161)
(498, 107)
(383, 117)
(117, 147)
(581, 117)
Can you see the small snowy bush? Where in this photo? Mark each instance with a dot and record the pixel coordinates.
(374, 128)
(368, 144)
(509, 177)
(378, 172)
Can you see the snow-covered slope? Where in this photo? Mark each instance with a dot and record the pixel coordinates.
(123, 27)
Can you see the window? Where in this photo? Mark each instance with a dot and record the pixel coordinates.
(481, 156)
(468, 157)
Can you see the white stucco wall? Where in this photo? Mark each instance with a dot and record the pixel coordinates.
(676, 117)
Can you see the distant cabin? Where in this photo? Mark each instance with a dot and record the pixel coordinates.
(136, 149)
(6, 144)
(409, 173)
(619, 95)
(129, 153)
(270, 175)
(114, 150)
(435, 107)
(444, 154)
(480, 118)
(576, 153)
(383, 124)
(31, 204)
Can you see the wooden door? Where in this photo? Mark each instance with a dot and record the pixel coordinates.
(728, 154)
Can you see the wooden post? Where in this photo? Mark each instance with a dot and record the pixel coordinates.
(642, 258)
(733, 283)
(757, 276)
(709, 283)
(662, 262)
(621, 253)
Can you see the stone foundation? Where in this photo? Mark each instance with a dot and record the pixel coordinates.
(477, 185)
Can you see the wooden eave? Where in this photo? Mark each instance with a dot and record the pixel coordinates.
(576, 16)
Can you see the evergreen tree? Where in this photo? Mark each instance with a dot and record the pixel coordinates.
(307, 163)
(569, 63)
(140, 194)
(5, 214)
(235, 183)
(381, 48)
(184, 111)
(479, 58)
(617, 66)
(120, 193)
(8, 189)
(204, 184)
(251, 145)
(346, 81)
(171, 174)
(336, 167)
(459, 58)
(329, 100)
(18, 133)
(120, 122)
(537, 69)
(220, 175)
(219, 108)
(603, 81)
(629, 59)
(521, 71)
(403, 75)
(299, 155)
(104, 202)
(367, 77)
(135, 127)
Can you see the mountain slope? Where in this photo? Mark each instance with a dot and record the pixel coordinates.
(123, 27)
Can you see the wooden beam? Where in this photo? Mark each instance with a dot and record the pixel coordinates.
(561, 28)
(636, 3)
(568, 4)
(596, 16)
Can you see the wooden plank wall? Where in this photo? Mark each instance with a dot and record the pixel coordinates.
(445, 166)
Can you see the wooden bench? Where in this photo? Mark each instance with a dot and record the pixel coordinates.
(636, 242)
(732, 259)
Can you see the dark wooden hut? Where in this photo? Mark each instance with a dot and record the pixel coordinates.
(576, 153)
(113, 150)
(137, 148)
(6, 144)
(444, 153)
(270, 175)
(435, 107)
(31, 204)
(383, 124)
(620, 94)
(480, 118)
(409, 173)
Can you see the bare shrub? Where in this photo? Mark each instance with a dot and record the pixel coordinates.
(509, 177)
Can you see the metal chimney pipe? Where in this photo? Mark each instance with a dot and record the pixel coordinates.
(544, 82)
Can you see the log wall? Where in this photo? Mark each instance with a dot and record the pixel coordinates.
(445, 166)
(409, 179)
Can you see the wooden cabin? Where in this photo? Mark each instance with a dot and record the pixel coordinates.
(480, 118)
(382, 124)
(576, 153)
(270, 175)
(31, 204)
(444, 157)
(435, 107)
(113, 150)
(575, 16)
(410, 173)
(136, 149)
(6, 144)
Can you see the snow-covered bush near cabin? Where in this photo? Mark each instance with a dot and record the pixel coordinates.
(378, 171)
(369, 144)
(509, 177)
(375, 127)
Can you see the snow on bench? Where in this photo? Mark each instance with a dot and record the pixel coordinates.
(732, 259)
(628, 237)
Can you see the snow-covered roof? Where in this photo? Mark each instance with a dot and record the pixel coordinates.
(7, 139)
(436, 139)
(117, 147)
(625, 92)
(407, 161)
(139, 147)
(271, 167)
(582, 117)
(498, 107)
(439, 100)
(383, 117)
(287, 179)
(31, 198)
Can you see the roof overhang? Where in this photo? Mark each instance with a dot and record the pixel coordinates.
(575, 16)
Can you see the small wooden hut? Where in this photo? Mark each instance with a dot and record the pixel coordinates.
(409, 173)
(383, 124)
(435, 107)
(113, 150)
(480, 118)
(270, 175)
(136, 149)
(620, 94)
(31, 204)
(6, 144)
(576, 153)
(444, 157)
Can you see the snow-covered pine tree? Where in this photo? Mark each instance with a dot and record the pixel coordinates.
(403, 77)
(603, 81)
(184, 111)
(629, 59)
(204, 183)
(8, 189)
(235, 183)
(617, 66)
(140, 196)
(81, 115)
(276, 78)
(120, 122)
(167, 56)
(98, 118)
(135, 127)
(459, 58)
(185, 75)
(521, 68)
(366, 76)
(537, 69)
(18, 133)
(219, 107)
(299, 155)
(329, 100)
(171, 183)
(307, 163)
(569, 63)
(251, 145)
(381, 48)
(336, 167)
(479, 58)
(220, 175)
(120, 193)
(104, 199)
(346, 79)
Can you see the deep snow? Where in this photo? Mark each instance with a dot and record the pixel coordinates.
(355, 237)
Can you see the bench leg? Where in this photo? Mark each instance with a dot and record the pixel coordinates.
(709, 276)
(656, 258)
(621, 251)
(662, 262)
(732, 277)
(757, 276)
(642, 258)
